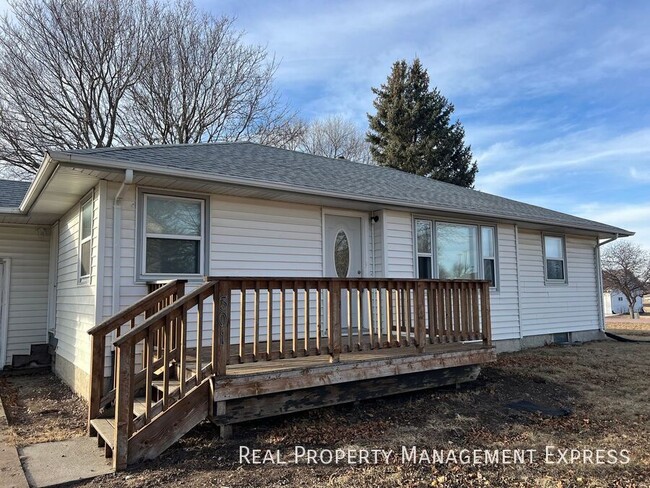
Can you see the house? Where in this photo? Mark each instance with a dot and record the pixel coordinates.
(234, 280)
(615, 302)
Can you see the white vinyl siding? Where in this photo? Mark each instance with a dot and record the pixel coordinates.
(504, 302)
(28, 249)
(398, 241)
(554, 309)
(75, 301)
(259, 238)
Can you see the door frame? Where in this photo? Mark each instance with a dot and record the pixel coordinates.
(4, 317)
(365, 232)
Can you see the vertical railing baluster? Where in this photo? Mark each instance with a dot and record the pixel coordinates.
(360, 343)
(307, 318)
(256, 321)
(242, 322)
(269, 323)
(294, 332)
(282, 320)
(319, 318)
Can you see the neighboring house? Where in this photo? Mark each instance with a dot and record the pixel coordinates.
(615, 302)
(98, 228)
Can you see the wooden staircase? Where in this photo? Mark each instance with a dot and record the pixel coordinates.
(161, 387)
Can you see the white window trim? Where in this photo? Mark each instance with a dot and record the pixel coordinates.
(141, 255)
(434, 261)
(547, 280)
(87, 200)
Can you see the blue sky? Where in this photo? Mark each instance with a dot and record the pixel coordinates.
(554, 96)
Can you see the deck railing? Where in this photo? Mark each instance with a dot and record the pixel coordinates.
(175, 350)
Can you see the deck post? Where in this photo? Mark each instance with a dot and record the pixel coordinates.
(420, 320)
(97, 352)
(123, 405)
(485, 314)
(335, 322)
(221, 328)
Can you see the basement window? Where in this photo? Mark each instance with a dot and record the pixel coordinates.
(85, 238)
(173, 236)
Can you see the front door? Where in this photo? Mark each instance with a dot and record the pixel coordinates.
(343, 246)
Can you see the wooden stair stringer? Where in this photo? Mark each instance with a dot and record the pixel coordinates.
(167, 428)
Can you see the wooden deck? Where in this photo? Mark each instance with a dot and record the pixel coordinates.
(276, 346)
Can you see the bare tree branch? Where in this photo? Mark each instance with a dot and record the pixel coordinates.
(626, 268)
(335, 137)
(65, 68)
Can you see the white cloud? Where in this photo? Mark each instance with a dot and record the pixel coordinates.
(589, 149)
(630, 216)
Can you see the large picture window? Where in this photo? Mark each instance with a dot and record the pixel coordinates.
(173, 235)
(457, 251)
(447, 250)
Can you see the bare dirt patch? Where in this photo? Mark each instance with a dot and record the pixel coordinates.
(40, 408)
(605, 385)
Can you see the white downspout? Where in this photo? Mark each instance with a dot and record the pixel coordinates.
(599, 281)
(372, 242)
(117, 237)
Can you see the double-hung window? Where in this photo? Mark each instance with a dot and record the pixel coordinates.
(423, 230)
(447, 250)
(173, 235)
(554, 259)
(488, 253)
(85, 238)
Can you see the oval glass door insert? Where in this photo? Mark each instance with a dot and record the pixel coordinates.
(342, 254)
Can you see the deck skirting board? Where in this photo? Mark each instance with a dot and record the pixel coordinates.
(322, 373)
(253, 408)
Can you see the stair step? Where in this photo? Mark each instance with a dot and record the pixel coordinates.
(174, 386)
(139, 406)
(105, 429)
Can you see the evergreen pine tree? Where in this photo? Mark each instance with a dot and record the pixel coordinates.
(412, 129)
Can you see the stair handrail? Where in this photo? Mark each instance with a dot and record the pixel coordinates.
(97, 397)
(125, 346)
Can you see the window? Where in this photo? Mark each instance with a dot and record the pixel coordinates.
(458, 251)
(173, 235)
(85, 241)
(555, 269)
(342, 254)
(424, 248)
(488, 253)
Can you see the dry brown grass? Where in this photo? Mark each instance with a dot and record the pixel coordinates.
(629, 327)
(40, 408)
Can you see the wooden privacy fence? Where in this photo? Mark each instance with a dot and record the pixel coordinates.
(185, 339)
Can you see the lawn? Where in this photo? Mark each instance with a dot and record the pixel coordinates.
(604, 386)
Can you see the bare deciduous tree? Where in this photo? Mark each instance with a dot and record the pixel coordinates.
(93, 73)
(65, 68)
(626, 268)
(206, 85)
(335, 137)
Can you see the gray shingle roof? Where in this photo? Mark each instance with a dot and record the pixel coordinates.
(305, 172)
(12, 193)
